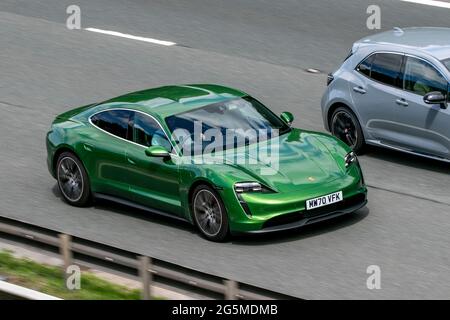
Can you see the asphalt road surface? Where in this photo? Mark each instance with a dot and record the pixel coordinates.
(262, 47)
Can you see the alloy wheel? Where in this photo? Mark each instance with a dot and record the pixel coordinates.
(207, 212)
(70, 179)
(344, 128)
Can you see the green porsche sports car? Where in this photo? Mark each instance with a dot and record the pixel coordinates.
(208, 154)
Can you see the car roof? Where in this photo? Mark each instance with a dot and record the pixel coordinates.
(432, 40)
(169, 100)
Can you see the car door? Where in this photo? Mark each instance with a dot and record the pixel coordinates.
(426, 127)
(105, 149)
(374, 89)
(154, 181)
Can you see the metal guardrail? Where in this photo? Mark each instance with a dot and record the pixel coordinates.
(150, 270)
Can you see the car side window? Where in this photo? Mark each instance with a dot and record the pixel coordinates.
(386, 68)
(422, 78)
(148, 132)
(116, 122)
(365, 65)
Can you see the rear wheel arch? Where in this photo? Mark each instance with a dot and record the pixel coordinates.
(66, 154)
(333, 108)
(58, 153)
(66, 148)
(360, 143)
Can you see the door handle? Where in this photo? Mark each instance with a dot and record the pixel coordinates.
(131, 160)
(359, 89)
(401, 102)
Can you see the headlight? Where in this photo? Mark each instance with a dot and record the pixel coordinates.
(248, 187)
(350, 158)
(241, 187)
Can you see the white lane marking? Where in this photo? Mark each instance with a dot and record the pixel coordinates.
(440, 4)
(129, 36)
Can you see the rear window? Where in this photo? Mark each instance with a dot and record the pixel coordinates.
(384, 68)
(365, 65)
(116, 122)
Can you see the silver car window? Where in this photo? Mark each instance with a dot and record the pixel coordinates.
(386, 68)
(365, 65)
(421, 77)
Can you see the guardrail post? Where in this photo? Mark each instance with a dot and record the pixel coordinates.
(66, 252)
(231, 289)
(146, 276)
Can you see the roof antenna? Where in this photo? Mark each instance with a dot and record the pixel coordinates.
(398, 31)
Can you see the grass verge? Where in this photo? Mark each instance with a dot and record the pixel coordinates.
(49, 280)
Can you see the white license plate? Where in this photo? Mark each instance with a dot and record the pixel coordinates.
(324, 200)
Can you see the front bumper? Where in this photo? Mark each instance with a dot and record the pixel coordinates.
(274, 212)
(299, 219)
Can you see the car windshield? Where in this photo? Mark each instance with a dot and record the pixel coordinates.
(228, 124)
(446, 63)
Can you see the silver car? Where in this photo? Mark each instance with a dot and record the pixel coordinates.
(393, 91)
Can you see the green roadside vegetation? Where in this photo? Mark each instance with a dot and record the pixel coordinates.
(49, 280)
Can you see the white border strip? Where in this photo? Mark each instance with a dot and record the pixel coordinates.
(24, 293)
(129, 36)
(440, 4)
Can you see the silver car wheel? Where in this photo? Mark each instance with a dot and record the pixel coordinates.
(207, 212)
(344, 128)
(70, 179)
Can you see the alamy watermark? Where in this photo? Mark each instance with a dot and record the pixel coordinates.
(74, 19)
(373, 22)
(73, 277)
(229, 146)
(374, 280)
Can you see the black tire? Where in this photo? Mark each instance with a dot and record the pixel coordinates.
(207, 209)
(73, 181)
(345, 126)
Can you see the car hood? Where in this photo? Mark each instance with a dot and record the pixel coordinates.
(304, 159)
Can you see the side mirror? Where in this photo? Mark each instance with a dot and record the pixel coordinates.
(435, 97)
(157, 151)
(287, 117)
